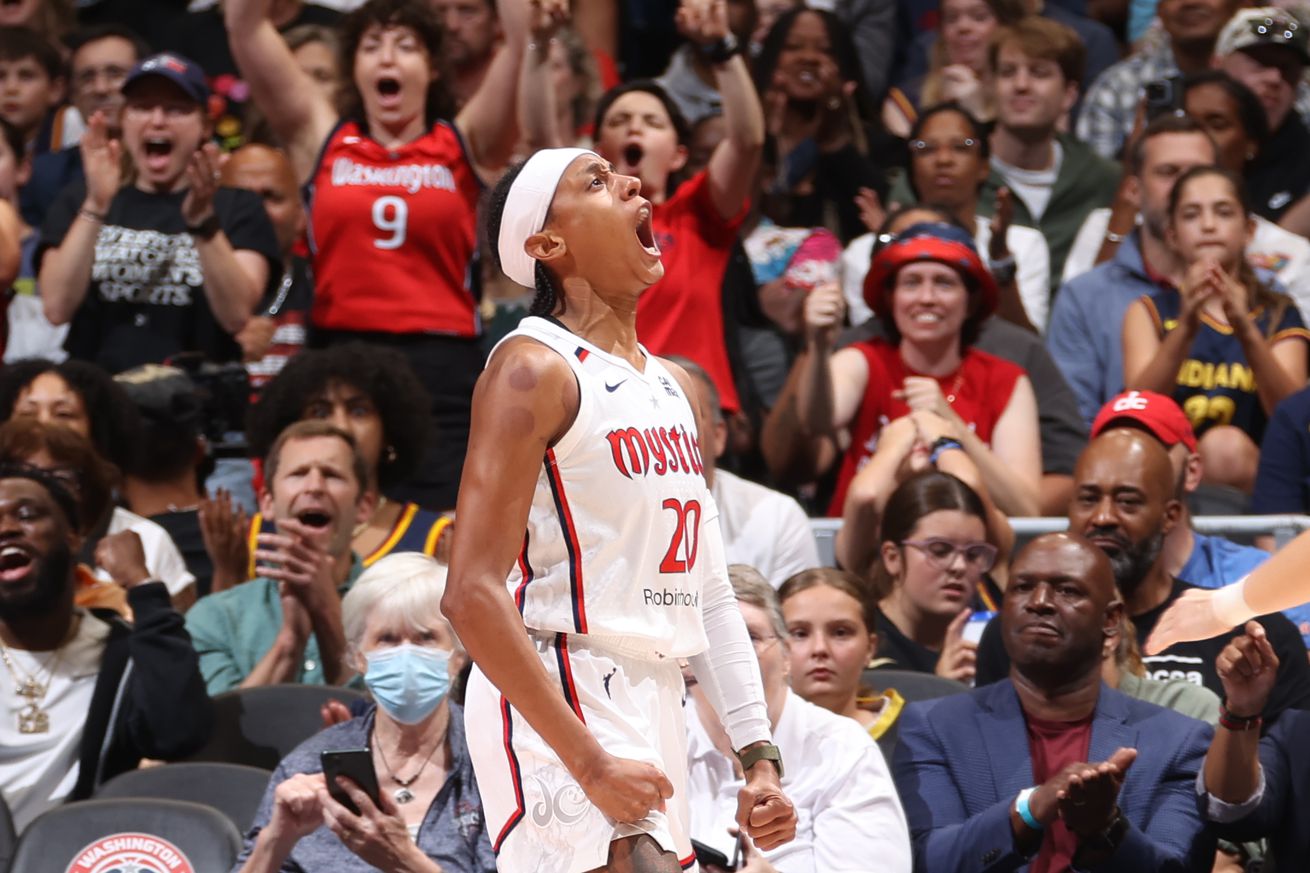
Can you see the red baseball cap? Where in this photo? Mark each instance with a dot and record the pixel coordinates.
(1160, 416)
(930, 241)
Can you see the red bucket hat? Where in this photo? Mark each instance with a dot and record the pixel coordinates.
(930, 241)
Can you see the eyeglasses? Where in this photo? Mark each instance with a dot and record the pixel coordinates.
(941, 553)
(959, 146)
(762, 643)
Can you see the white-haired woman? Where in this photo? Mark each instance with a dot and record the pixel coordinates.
(429, 819)
(846, 805)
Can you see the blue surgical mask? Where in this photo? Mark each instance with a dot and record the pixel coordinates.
(408, 681)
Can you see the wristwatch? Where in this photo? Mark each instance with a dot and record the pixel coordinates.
(1097, 848)
(755, 754)
(1003, 269)
(720, 52)
(205, 230)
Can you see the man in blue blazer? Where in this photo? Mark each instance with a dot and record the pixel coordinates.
(1050, 769)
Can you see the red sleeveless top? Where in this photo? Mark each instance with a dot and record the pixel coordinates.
(982, 387)
(393, 233)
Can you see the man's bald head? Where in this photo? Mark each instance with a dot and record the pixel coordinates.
(1125, 501)
(1058, 608)
(1134, 452)
(269, 173)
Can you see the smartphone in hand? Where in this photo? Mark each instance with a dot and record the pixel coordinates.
(357, 766)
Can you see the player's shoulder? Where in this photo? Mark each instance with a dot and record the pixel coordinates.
(520, 356)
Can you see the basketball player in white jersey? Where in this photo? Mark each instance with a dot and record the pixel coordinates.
(587, 558)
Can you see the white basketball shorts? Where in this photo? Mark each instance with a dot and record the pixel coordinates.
(537, 816)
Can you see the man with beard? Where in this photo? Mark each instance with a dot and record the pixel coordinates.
(1126, 502)
(285, 625)
(71, 712)
(1049, 769)
(472, 33)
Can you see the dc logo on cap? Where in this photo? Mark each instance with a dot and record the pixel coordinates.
(1131, 401)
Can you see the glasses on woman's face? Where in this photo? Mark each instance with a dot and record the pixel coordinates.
(964, 146)
(941, 553)
(761, 643)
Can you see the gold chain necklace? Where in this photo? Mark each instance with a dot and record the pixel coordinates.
(32, 718)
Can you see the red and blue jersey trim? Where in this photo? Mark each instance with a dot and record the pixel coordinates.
(566, 676)
(576, 587)
(515, 777)
(525, 568)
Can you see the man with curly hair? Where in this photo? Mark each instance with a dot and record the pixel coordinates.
(370, 392)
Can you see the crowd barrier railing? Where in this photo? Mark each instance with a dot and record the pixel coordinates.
(1281, 527)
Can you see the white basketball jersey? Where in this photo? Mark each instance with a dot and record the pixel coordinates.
(612, 545)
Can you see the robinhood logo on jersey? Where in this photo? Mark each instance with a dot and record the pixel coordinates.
(658, 450)
(412, 177)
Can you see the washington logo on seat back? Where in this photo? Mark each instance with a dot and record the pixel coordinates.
(130, 853)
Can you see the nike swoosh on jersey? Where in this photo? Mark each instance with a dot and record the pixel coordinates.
(615, 387)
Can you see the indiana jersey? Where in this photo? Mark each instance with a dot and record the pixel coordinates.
(1215, 383)
(392, 234)
(416, 530)
(612, 546)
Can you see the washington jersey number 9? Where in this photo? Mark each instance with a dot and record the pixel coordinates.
(390, 215)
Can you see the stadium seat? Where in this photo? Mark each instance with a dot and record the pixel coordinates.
(233, 789)
(128, 834)
(911, 685)
(259, 726)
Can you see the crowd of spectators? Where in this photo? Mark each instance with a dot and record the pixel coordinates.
(931, 267)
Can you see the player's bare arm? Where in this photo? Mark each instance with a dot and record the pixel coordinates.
(524, 402)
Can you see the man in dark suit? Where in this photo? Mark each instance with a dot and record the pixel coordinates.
(1050, 769)
(1258, 788)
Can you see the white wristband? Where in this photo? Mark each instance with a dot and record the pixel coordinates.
(1230, 606)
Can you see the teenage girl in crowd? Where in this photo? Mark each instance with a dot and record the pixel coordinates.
(1223, 345)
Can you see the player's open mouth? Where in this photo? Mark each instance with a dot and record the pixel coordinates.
(632, 154)
(15, 564)
(645, 233)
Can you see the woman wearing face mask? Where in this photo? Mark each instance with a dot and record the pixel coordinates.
(429, 816)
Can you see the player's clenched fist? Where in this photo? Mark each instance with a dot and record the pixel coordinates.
(626, 790)
(763, 811)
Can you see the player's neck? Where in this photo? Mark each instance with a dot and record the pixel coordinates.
(606, 320)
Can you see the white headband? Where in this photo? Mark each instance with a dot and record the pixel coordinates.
(526, 207)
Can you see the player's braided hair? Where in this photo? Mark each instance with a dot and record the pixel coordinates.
(548, 296)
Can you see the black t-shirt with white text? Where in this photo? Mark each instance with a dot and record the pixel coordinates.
(1191, 661)
(146, 299)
